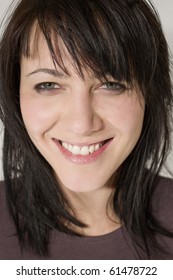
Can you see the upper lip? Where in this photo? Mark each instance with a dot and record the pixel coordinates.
(84, 143)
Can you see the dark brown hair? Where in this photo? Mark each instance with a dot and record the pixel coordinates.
(121, 38)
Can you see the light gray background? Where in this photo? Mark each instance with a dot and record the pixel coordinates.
(165, 9)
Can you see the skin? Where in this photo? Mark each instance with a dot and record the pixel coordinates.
(80, 111)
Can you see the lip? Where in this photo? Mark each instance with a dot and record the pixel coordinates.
(80, 159)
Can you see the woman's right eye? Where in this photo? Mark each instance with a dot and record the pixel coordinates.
(46, 87)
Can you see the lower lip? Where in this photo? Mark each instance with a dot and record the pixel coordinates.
(80, 159)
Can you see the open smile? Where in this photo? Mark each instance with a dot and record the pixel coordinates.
(82, 153)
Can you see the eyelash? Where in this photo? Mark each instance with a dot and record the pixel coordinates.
(109, 86)
(46, 86)
(116, 87)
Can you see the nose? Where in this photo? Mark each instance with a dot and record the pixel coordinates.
(81, 116)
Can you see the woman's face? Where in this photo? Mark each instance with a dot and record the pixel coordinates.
(84, 128)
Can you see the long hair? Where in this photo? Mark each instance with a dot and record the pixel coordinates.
(120, 38)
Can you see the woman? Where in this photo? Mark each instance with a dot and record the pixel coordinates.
(86, 103)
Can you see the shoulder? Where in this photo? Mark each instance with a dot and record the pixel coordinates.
(2, 196)
(163, 189)
(162, 201)
(5, 217)
(4, 213)
(2, 185)
(9, 246)
(162, 209)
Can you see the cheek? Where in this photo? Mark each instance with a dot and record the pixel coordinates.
(127, 115)
(37, 115)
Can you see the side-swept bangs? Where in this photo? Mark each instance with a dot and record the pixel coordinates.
(109, 37)
(118, 38)
(122, 39)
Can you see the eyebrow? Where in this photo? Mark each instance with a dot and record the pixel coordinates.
(53, 72)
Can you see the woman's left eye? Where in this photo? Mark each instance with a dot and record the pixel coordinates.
(114, 86)
(46, 86)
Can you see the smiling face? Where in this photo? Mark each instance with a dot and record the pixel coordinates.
(84, 128)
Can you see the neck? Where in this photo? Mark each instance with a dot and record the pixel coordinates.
(95, 209)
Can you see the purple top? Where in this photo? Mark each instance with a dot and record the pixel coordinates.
(112, 246)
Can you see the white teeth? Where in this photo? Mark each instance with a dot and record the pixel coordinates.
(65, 145)
(69, 148)
(76, 150)
(84, 150)
(91, 149)
(97, 146)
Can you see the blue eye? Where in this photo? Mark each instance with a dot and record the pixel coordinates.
(114, 86)
(46, 86)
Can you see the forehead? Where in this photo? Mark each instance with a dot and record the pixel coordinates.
(62, 50)
(38, 46)
(40, 57)
(39, 54)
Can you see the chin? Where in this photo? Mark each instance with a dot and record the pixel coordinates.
(81, 185)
